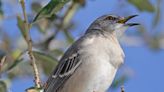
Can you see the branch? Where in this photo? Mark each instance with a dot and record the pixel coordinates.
(28, 39)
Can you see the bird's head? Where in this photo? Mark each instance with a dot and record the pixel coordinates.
(112, 23)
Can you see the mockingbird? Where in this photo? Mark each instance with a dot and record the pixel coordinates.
(90, 64)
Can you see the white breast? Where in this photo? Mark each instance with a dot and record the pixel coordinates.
(103, 58)
(104, 48)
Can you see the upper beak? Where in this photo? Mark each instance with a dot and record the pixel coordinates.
(125, 19)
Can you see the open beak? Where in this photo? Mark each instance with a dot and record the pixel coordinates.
(125, 19)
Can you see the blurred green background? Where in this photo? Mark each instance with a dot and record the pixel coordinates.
(56, 24)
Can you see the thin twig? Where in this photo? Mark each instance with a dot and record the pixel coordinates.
(29, 42)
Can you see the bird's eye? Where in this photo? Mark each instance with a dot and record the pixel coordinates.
(110, 18)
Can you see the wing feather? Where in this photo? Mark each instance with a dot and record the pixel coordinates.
(66, 67)
(63, 71)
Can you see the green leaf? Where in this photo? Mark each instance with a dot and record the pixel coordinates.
(58, 52)
(157, 14)
(22, 26)
(154, 42)
(3, 86)
(1, 10)
(35, 6)
(14, 64)
(143, 5)
(68, 36)
(2, 61)
(50, 9)
(119, 81)
(17, 60)
(34, 89)
(81, 2)
(47, 62)
(21, 70)
(43, 25)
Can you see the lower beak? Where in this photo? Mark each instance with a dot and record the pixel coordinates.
(125, 19)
